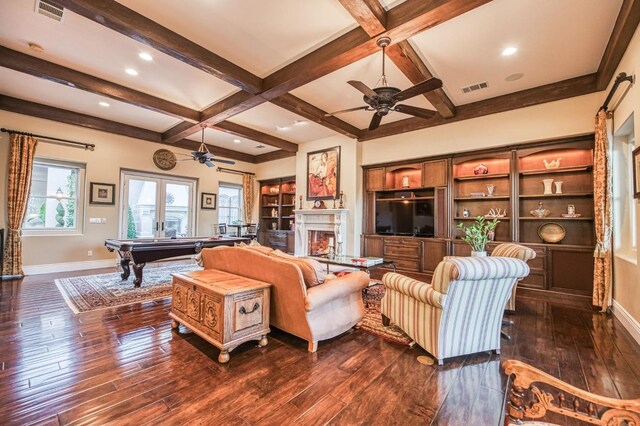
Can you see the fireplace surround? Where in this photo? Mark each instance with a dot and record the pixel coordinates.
(315, 227)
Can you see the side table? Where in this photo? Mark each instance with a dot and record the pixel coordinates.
(222, 308)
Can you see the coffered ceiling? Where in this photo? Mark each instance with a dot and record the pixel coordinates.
(262, 74)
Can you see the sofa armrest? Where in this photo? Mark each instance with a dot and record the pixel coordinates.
(413, 288)
(335, 289)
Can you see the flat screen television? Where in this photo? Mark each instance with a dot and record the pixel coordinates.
(405, 217)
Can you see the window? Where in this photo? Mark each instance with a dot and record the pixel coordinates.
(229, 203)
(632, 201)
(624, 205)
(55, 197)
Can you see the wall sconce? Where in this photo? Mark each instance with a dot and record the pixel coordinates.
(59, 193)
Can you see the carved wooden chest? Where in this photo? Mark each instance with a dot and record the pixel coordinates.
(224, 309)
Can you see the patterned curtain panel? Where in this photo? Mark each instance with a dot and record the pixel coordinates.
(247, 189)
(602, 185)
(20, 166)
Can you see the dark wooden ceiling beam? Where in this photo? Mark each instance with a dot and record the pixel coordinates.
(312, 113)
(369, 14)
(255, 135)
(577, 86)
(273, 155)
(47, 112)
(409, 62)
(49, 71)
(119, 18)
(623, 30)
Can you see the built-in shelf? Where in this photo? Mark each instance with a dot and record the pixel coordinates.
(405, 199)
(270, 205)
(487, 218)
(565, 195)
(269, 217)
(584, 168)
(487, 176)
(487, 198)
(289, 192)
(553, 218)
(288, 205)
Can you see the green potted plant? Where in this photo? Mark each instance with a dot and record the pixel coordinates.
(477, 235)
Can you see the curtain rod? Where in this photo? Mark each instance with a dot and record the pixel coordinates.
(88, 146)
(238, 172)
(622, 77)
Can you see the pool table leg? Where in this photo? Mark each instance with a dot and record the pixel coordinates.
(124, 263)
(137, 270)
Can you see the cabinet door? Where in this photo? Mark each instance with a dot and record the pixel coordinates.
(434, 173)
(571, 270)
(374, 179)
(291, 243)
(373, 246)
(433, 252)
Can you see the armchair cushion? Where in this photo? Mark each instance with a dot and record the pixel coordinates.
(476, 268)
(516, 251)
(417, 289)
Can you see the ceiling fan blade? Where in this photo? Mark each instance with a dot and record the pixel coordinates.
(220, 160)
(209, 163)
(329, 114)
(418, 112)
(420, 88)
(375, 121)
(363, 88)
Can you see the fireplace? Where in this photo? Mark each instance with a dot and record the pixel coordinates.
(318, 242)
(315, 227)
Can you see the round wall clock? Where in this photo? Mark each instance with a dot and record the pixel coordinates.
(164, 159)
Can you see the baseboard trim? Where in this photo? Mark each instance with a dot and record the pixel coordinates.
(49, 268)
(629, 322)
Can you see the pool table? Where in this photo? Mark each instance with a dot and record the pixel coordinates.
(141, 251)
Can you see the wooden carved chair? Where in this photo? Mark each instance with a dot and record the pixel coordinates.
(527, 402)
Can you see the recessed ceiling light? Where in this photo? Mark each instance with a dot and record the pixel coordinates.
(282, 128)
(509, 51)
(36, 47)
(145, 56)
(104, 104)
(131, 71)
(237, 141)
(300, 123)
(514, 77)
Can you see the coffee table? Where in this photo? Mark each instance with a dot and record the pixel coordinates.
(347, 261)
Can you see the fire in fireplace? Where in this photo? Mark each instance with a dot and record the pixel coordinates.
(318, 244)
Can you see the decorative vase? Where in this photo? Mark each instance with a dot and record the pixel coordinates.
(558, 187)
(466, 213)
(490, 190)
(405, 181)
(478, 254)
(481, 169)
(547, 186)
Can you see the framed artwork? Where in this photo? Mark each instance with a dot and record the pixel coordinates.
(102, 193)
(323, 174)
(636, 172)
(208, 201)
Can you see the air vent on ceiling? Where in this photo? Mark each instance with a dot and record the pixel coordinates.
(474, 87)
(259, 146)
(49, 9)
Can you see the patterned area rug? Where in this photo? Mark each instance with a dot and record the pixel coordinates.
(93, 292)
(372, 321)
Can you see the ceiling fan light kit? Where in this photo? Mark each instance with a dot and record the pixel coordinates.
(203, 156)
(383, 98)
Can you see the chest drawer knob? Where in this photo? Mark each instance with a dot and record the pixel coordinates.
(243, 311)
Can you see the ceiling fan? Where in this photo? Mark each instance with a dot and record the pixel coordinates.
(203, 156)
(383, 99)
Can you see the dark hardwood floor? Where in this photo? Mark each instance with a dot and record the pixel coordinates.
(126, 366)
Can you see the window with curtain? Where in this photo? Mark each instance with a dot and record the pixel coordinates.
(624, 205)
(229, 203)
(55, 198)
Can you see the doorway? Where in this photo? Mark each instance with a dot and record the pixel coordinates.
(156, 206)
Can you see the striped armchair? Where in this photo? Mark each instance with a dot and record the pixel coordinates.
(460, 312)
(515, 251)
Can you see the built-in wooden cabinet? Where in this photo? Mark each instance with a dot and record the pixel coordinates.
(509, 181)
(277, 217)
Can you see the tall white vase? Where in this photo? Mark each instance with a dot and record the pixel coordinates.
(547, 186)
(558, 187)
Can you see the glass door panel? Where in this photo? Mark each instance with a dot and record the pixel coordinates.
(177, 209)
(141, 212)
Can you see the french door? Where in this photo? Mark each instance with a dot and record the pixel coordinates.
(155, 206)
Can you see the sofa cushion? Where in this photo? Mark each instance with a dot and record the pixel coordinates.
(313, 273)
(258, 248)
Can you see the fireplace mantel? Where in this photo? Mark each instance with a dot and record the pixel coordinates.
(333, 220)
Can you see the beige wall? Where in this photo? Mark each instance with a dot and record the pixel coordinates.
(112, 154)
(626, 288)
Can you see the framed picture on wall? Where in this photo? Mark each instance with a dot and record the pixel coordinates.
(208, 201)
(102, 193)
(636, 172)
(323, 174)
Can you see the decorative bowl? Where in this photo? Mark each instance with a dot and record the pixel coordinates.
(540, 212)
(551, 232)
